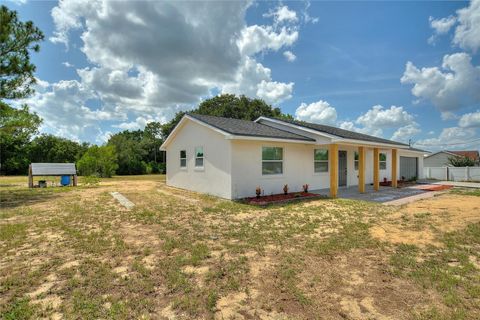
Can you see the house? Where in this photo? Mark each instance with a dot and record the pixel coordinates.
(441, 158)
(229, 158)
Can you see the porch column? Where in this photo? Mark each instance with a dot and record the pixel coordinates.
(376, 169)
(394, 168)
(333, 156)
(361, 169)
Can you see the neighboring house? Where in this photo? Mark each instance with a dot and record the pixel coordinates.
(230, 157)
(441, 158)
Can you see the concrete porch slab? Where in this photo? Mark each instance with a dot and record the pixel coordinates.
(385, 195)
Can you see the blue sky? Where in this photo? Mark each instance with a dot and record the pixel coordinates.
(109, 66)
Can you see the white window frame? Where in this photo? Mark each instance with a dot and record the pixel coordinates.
(380, 161)
(183, 167)
(321, 161)
(281, 161)
(202, 167)
(356, 162)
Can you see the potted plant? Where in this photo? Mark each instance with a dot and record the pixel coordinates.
(285, 189)
(258, 191)
(305, 188)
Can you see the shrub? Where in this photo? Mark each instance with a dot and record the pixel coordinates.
(98, 161)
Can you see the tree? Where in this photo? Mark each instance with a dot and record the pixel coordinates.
(49, 148)
(17, 126)
(99, 161)
(130, 148)
(229, 106)
(461, 161)
(17, 39)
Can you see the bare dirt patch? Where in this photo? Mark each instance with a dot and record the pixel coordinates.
(419, 223)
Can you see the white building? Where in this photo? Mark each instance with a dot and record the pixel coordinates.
(230, 158)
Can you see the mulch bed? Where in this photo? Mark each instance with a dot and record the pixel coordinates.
(434, 187)
(280, 198)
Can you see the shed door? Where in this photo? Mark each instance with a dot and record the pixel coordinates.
(342, 168)
(408, 167)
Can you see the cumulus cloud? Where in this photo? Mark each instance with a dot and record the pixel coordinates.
(379, 117)
(289, 56)
(470, 120)
(441, 26)
(451, 87)
(467, 30)
(317, 112)
(349, 125)
(257, 38)
(450, 138)
(372, 122)
(281, 14)
(161, 57)
(253, 79)
(404, 134)
(467, 33)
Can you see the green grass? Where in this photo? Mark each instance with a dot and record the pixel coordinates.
(217, 239)
(447, 270)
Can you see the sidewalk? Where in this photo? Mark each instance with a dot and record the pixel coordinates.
(453, 183)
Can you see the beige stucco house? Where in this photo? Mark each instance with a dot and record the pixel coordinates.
(230, 158)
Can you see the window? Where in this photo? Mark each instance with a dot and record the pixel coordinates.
(272, 160)
(320, 159)
(199, 157)
(356, 160)
(183, 159)
(383, 161)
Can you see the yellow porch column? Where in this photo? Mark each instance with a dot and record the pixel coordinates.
(376, 169)
(361, 169)
(394, 168)
(333, 156)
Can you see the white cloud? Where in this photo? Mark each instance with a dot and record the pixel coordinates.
(160, 57)
(443, 25)
(450, 138)
(404, 134)
(255, 39)
(372, 122)
(253, 79)
(379, 117)
(451, 87)
(281, 14)
(68, 64)
(467, 33)
(440, 26)
(470, 120)
(289, 56)
(317, 112)
(349, 125)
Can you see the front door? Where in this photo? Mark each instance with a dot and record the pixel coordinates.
(342, 168)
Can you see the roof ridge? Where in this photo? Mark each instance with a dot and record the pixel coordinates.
(302, 122)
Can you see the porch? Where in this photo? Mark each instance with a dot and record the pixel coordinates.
(383, 195)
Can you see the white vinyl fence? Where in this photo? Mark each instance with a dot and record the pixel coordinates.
(452, 173)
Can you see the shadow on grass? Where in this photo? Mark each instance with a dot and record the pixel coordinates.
(12, 198)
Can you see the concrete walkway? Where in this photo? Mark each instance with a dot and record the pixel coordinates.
(384, 195)
(452, 183)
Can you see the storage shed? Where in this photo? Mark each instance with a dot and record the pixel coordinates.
(51, 169)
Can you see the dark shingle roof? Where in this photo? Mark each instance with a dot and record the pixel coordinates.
(247, 128)
(342, 133)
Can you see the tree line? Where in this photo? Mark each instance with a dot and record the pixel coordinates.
(126, 152)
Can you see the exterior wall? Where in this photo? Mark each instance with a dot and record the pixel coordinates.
(298, 169)
(215, 178)
(437, 160)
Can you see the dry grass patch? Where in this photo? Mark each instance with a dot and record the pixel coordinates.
(75, 253)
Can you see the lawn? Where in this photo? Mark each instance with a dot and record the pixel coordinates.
(76, 253)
